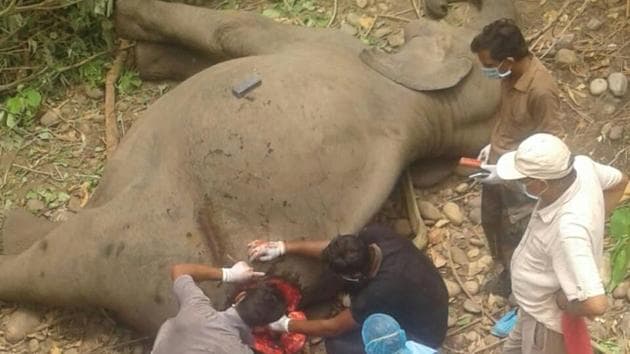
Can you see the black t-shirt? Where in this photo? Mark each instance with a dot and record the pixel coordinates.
(407, 287)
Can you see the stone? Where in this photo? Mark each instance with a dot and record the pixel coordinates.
(441, 223)
(473, 252)
(452, 321)
(453, 213)
(566, 57)
(20, 323)
(35, 205)
(458, 256)
(616, 132)
(396, 39)
(362, 3)
(353, 19)
(470, 306)
(472, 287)
(348, 29)
(51, 117)
(598, 86)
(472, 336)
(33, 345)
(490, 339)
(476, 242)
(94, 93)
(475, 215)
(475, 202)
(429, 211)
(402, 227)
(436, 236)
(366, 21)
(461, 188)
(382, 32)
(452, 287)
(618, 84)
(594, 24)
(71, 351)
(74, 204)
(621, 290)
(609, 108)
(565, 41)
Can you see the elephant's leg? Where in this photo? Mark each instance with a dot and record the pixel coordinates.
(161, 61)
(217, 34)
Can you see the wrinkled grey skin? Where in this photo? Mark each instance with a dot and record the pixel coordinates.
(313, 152)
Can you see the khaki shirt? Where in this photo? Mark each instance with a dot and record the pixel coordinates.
(529, 106)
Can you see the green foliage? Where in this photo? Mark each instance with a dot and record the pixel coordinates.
(619, 228)
(20, 109)
(44, 42)
(93, 72)
(304, 12)
(128, 82)
(51, 197)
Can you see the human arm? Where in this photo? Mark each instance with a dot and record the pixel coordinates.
(613, 195)
(591, 307)
(240, 271)
(330, 327)
(269, 250)
(582, 292)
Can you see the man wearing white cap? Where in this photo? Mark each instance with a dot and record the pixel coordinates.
(555, 266)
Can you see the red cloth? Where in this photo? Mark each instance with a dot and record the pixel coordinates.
(267, 342)
(577, 340)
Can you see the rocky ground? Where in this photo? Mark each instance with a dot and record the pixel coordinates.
(53, 170)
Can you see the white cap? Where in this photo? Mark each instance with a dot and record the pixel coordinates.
(541, 156)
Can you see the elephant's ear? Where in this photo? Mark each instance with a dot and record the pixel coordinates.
(425, 63)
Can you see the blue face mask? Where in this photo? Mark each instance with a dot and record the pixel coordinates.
(494, 73)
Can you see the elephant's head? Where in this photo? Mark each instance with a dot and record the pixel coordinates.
(436, 55)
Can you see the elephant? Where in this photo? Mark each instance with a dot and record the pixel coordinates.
(312, 152)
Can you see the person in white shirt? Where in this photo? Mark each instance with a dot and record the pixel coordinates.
(555, 267)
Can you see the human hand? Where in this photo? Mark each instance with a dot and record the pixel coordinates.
(265, 250)
(280, 325)
(240, 272)
(484, 154)
(490, 176)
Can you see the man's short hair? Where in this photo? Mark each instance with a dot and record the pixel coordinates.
(503, 39)
(347, 254)
(262, 304)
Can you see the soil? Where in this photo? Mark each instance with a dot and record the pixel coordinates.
(68, 157)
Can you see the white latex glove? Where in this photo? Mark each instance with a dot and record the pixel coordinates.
(281, 325)
(484, 154)
(240, 272)
(265, 250)
(492, 178)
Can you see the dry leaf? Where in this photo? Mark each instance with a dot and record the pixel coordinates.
(366, 22)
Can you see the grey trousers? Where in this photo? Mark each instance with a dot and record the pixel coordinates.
(532, 337)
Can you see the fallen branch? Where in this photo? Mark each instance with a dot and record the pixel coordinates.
(413, 212)
(470, 324)
(556, 38)
(415, 8)
(394, 17)
(43, 173)
(367, 33)
(334, 14)
(550, 24)
(103, 349)
(111, 128)
(489, 346)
